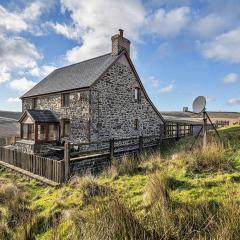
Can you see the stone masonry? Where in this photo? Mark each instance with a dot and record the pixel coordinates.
(77, 112)
(114, 109)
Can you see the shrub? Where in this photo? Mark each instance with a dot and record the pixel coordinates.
(89, 187)
(151, 163)
(126, 165)
(214, 158)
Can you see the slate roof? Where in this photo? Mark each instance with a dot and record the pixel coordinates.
(41, 116)
(79, 75)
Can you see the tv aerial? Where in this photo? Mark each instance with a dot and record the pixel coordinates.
(199, 107)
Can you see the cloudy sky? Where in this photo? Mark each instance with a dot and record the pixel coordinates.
(181, 48)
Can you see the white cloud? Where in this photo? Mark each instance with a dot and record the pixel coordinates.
(167, 89)
(13, 100)
(4, 75)
(168, 23)
(11, 21)
(22, 20)
(230, 78)
(233, 102)
(42, 71)
(17, 52)
(209, 25)
(154, 82)
(67, 31)
(34, 10)
(21, 85)
(96, 23)
(224, 47)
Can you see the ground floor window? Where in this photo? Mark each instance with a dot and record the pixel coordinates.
(65, 127)
(28, 131)
(42, 132)
(53, 132)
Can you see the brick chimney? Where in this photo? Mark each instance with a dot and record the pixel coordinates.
(119, 43)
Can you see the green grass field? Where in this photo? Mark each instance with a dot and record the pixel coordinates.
(177, 194)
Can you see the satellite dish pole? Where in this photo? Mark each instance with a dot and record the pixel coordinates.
(204, 128)
(199, 106)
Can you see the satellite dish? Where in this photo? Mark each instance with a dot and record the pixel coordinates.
(199, 104)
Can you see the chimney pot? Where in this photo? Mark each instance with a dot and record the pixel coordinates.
(121, 32)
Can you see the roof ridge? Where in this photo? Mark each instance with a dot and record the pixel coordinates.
(82, 61)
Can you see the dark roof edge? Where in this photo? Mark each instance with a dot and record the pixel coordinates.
(144, 91)
(57, 70)
(24, 114)
(138, 79)
(63, 91)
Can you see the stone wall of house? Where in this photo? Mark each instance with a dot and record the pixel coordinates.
(77, 112)
(114, 109)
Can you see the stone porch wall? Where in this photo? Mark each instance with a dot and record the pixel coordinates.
(77, 112)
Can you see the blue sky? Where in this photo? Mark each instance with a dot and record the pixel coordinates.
(181, 48)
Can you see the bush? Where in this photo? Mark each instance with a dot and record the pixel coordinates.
(126, 165)
(212, 159)
(89, 187)
(151, 163)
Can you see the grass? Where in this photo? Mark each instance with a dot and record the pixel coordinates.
(178, 195)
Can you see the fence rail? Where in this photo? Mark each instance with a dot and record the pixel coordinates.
(83, 155)
(45, 167)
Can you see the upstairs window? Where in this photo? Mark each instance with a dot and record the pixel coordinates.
(137, 94)
(34, 103)
(65, 99)
(136, 124)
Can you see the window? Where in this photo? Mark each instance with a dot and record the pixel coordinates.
(137, 94)
(53, 132)
(42, 130)
(65, 99)
(28, 131)
(136, 124)
(66, 128)
(34, 103)
(25, 131)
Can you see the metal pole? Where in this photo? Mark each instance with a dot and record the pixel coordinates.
(204, 129)
(213, 126)
(196, 137)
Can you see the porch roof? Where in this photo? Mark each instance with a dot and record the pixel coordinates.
(40, 116)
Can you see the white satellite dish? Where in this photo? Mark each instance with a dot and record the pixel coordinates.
(199, 104)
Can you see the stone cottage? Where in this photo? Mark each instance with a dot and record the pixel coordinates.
(93, 100)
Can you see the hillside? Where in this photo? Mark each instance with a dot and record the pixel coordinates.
(178, 195)
(8, 114)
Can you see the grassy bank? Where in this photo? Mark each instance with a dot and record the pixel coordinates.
(177, 194)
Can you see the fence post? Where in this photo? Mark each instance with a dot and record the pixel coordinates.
(66, 159)
(178, 129)
(140, 144)
(111, 149)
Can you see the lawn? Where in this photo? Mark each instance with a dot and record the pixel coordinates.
(177, 194)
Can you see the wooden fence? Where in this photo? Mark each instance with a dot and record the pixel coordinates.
(80, 156)
(45, 167)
